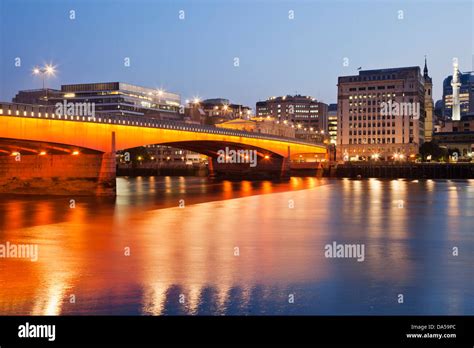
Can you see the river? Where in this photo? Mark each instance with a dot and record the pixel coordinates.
(176, 245)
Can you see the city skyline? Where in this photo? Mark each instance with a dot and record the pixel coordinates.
(246, 158)
(192, 57)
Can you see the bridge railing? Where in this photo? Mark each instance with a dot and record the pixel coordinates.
(48, 112)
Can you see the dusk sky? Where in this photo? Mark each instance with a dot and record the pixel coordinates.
(195, 56)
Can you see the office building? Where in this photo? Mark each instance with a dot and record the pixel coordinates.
(299, 110)
(381, 114)
(112, 98)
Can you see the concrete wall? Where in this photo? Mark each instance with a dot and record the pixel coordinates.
(406, 170)
(85, 174)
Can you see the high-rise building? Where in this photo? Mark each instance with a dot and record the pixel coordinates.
(300, 110)
(381, 114)
(464, 92)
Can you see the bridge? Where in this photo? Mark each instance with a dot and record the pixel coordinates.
(48, 153)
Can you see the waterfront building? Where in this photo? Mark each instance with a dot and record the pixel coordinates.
(299, 110)
(168, 154)
(457, 135)
(112, 98)
(381, 113)
(37, 96)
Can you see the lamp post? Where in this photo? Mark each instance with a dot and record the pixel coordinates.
(47, 70)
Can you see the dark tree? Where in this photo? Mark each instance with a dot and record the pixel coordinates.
(432, 148)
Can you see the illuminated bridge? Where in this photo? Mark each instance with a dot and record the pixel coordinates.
(42, 148)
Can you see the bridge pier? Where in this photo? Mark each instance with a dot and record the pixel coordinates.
(74, 173)
(83, 174)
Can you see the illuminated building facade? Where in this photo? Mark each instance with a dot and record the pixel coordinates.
(381, 114)
(300, 110)
(218, 110)
(112, 98)
(332, 123)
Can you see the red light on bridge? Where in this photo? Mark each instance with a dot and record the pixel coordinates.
(75, 153)
(42, 153)
(267, 157)
(15, 153)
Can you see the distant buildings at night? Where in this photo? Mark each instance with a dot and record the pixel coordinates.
(466, 95)
(300, 110)
(112, 98)
(332, 123)
(457, 136)
(263, 125)
(358, 124)
(215, 111)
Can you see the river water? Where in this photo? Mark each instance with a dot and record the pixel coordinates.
(175, 245)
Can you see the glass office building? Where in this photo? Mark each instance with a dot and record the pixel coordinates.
(112, 98)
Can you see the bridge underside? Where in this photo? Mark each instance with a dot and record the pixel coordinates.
(32, 167)
(80, 158)
(211, 148)
(267, 164)
(28, 147)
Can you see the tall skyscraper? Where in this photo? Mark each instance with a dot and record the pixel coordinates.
(381, 114)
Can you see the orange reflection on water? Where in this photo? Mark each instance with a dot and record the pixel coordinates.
(218, 257)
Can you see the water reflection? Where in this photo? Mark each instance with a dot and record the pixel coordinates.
(241, 248)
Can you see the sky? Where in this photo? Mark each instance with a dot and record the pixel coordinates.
(281, 47)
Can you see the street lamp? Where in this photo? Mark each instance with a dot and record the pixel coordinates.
(45, 71)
